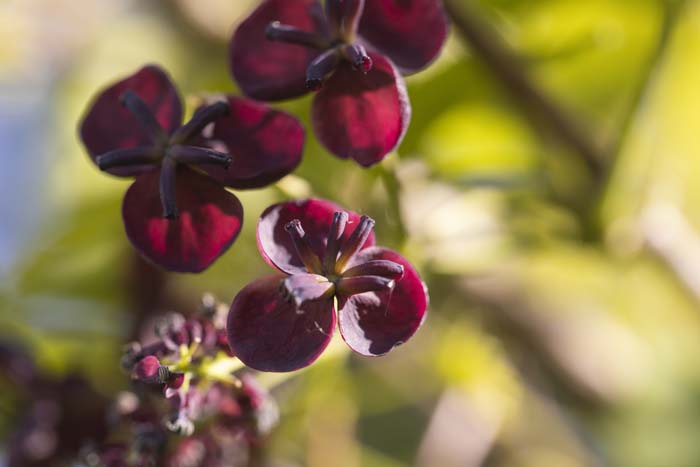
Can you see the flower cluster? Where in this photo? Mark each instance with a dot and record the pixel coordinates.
(191, 403)
(186, 383)
(327, 258)
(354, 52)
(177, 213)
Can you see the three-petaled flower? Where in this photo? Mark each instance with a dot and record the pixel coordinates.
(280, 323)
(177, 213)
(354, 51)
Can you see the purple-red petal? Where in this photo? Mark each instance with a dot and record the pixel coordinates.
(410, 32)
(209, 221)
(271, 70)
(316, 216)
(362, 116)
(269, 333)
(373, 323)
(265, 144)
(108, 125)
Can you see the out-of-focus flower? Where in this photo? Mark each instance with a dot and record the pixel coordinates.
(280, 323)
(354, 52)
(177, 213)
(55, 417)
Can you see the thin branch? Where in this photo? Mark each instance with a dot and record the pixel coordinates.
(672, 10)
(490, 48)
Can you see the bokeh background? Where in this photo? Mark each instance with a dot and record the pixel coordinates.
(548, 189)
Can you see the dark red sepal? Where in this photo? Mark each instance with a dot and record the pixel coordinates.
(362, 116)
(265, 144)
(209, 221)
(108, 125)
(267, 69)
(410, 32)
(269, 333)
(373, 323)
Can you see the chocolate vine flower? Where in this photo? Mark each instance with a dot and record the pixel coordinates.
(353, 52)
(177, 213)
(283, 323)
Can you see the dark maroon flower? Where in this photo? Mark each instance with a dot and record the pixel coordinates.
(177, 213)
(284, 322)
(353, 51)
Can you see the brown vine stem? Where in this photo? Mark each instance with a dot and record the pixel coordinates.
(672, 12)
(487, 45)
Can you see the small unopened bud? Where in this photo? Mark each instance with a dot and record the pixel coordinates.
(149, 370)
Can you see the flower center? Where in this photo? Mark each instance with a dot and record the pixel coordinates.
(168, 151)
(335, 38)
(331, 275)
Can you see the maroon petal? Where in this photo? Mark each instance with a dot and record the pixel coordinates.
(272, 70)
(269, 333)
(410, 32)
(373, 323)
(362, 116)
(265, 144)
(108, 125)
(316, 215)
(209, 221)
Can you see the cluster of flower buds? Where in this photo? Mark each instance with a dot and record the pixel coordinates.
(190, 406)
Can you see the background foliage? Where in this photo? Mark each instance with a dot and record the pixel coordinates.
(563, 327)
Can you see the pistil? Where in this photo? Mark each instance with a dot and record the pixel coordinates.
(168, 198)
(277, 31)
(201, 118)
(361, 284)
(142, 155)
(143, 113)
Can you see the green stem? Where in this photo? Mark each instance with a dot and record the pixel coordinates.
(392, 185)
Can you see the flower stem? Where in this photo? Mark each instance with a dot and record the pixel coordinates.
(392, 185)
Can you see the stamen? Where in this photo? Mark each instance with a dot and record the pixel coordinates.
(340, 220)
(277, 31)
(301, 243)
(168, 196)
(352, 12)
(377, 267)
(344, 17)
(361, 284)
(202, 117)
(143, 155)
(320, 68)
(143, 113)
(196, 155)
(355, 242)
(320, 21)
(334, 14)
(357, 55)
